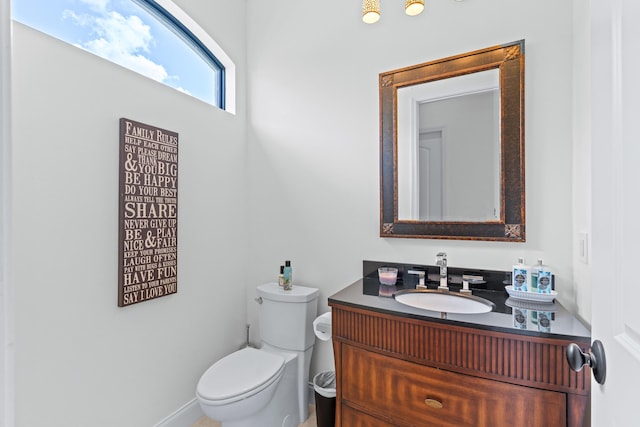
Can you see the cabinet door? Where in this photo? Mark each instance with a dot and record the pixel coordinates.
(354, 418)
(415, 394)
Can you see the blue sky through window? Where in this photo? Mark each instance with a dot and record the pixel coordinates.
(125, 33)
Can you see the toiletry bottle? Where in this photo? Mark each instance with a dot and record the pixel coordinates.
(281, 277)
(519, 318)
(543, 278)
(533, 283)
(288, 276)
(520, 279)
(544, 321)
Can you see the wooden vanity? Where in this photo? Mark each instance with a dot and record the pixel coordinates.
(395, 367)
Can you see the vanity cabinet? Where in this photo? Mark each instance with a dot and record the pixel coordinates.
(401, 371)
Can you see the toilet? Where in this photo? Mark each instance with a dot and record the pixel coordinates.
(266, 387)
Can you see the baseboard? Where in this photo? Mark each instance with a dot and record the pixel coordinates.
(185, 416)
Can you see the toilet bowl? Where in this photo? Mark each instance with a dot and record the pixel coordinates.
(266, 387)
(237, 389)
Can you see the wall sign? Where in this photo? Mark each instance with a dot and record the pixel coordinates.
(148, 237)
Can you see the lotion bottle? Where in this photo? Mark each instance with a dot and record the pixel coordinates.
(288, 276)
(534, 277)
(519, 318)
(281, 277)
(543, 278)
(521, 276)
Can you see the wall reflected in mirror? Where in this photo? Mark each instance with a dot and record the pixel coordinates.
(449, 149)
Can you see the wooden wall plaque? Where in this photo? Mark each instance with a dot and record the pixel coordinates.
(148, 235)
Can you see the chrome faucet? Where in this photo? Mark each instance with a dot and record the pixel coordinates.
(441, 260)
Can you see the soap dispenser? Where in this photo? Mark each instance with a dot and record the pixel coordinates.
(521, 276)
(542, 280)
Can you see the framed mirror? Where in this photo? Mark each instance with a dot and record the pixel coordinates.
(452, 147)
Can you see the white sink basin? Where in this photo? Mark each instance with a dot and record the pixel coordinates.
(445, 302)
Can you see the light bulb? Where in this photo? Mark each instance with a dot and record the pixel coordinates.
(371, 17)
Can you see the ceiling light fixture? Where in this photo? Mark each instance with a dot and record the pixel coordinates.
(414, 7)
(371, 9)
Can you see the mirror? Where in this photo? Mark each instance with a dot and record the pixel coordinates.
(452, 147)
(449, 149)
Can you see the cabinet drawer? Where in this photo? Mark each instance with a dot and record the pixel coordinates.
(420, 395)
(353, 418)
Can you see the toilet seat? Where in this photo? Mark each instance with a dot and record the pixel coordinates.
(239, 375)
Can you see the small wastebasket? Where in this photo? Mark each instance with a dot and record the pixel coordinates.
(324, 385)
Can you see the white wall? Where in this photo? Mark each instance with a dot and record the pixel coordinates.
(314, 141)
(81, 360)
(581, 50)
(6, 285)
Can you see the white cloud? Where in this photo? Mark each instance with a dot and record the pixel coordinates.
(82, 20)
(123, 40)
(128, 34)
(97, 5)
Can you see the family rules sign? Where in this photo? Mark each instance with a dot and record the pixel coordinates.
(148, 235)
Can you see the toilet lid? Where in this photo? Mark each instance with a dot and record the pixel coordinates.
(239, 373)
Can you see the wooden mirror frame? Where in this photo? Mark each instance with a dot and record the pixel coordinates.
(509, 59)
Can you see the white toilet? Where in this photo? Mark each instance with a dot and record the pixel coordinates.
(266, 387)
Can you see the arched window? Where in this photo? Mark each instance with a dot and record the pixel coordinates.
(152, 37)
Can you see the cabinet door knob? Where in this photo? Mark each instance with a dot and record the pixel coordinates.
(433, 403)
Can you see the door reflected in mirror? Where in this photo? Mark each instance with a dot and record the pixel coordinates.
(449, 149)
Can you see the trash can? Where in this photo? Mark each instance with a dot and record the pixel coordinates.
(324, 385)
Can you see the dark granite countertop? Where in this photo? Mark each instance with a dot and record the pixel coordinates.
(550, 320)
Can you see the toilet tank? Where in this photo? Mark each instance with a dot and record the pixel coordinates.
(286, 317)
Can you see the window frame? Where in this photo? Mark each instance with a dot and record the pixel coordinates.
(181, 30)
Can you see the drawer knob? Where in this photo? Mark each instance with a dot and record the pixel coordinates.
(433, 403)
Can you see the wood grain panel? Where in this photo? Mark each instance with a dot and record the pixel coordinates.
(383, 385)
(523, 360)
(354, 418)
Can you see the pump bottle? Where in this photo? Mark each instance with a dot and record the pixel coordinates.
(521, 276)
(288, 276)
